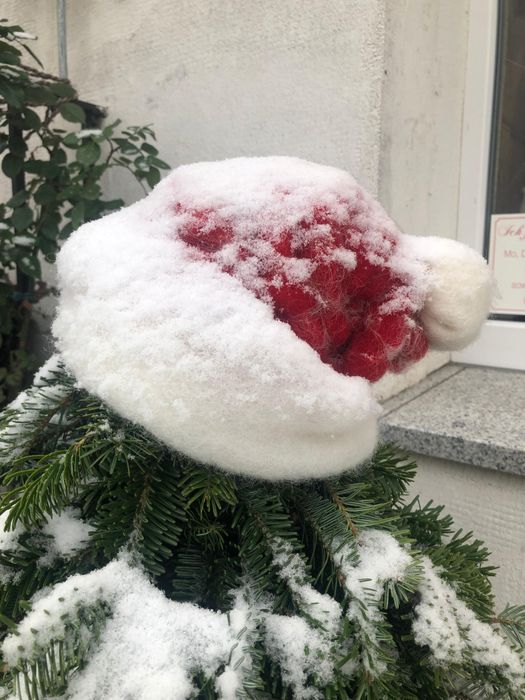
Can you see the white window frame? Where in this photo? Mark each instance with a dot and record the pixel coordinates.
(501, 343)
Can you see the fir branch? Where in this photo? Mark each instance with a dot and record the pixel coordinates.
(512, 623)
(206, 489)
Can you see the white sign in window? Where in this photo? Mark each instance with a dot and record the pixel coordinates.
(507, 260)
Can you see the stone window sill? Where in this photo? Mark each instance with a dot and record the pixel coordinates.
(474, 415)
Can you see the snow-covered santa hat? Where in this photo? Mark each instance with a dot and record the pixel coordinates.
(241, 311)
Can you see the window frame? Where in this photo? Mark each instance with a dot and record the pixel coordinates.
(501, 342)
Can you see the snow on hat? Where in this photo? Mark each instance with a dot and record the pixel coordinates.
(241, 310)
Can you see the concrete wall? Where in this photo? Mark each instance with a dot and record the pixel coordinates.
(374, 86)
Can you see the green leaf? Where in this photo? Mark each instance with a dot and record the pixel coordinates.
(44, 168)
(45, 194)
(141, 164)
(63, 89)
(91, 191)
(30, 119)
(31, 266)
(50, 230)
(70, 192)
(113, 204)
(71, 140)
(47, 246)
(126, 147)
(72, 112)
(77, 214)
(66, 231)
(9, 48)
(18, 199)
(153, 177)
(158, 163)
(39, 95)
(59, 156)
(148, 148)
(12, 95)
(21, 218)
(9, 58)
(11, 165)
(89, 153)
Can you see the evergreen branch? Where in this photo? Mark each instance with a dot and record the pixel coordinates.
(462, 562)
(339, 504)
(46, 671)
(326, 533)
(191, 573)
(47, 484)
(207, 489)
(388, 474)
(140, 508)
(426, 524)
(512, 623)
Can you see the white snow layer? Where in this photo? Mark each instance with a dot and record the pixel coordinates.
(321, 607)
(179, 346)
(66, 534)
(454, 634)
(9, 538)
(245, 620)
(381, 559)
(152, 647)
(69, 532)
(300, 651)
(26, 407)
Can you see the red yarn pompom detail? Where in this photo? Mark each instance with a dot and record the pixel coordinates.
(323, 280)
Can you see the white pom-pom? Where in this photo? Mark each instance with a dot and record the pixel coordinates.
(459, 293)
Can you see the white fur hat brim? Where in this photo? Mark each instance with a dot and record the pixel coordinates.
(186, 351)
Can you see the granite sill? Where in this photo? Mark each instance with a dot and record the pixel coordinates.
(468, 414)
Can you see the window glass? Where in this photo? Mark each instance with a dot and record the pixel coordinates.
(505, 234)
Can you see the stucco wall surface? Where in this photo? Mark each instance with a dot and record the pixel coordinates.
(492, 505)
(219, 79)
(422, 113)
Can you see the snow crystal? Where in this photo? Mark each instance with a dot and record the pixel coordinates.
(291, 568)
(301, 652)
(26, 408)
(453, 633)
(68, 531)
(381, 559)
(9, 538)
(244, 621)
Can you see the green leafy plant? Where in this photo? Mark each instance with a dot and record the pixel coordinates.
(55, 174)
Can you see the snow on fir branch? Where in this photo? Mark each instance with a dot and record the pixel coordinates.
(231, 588)
(176, 641)
(33, 409)
(62, 535)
